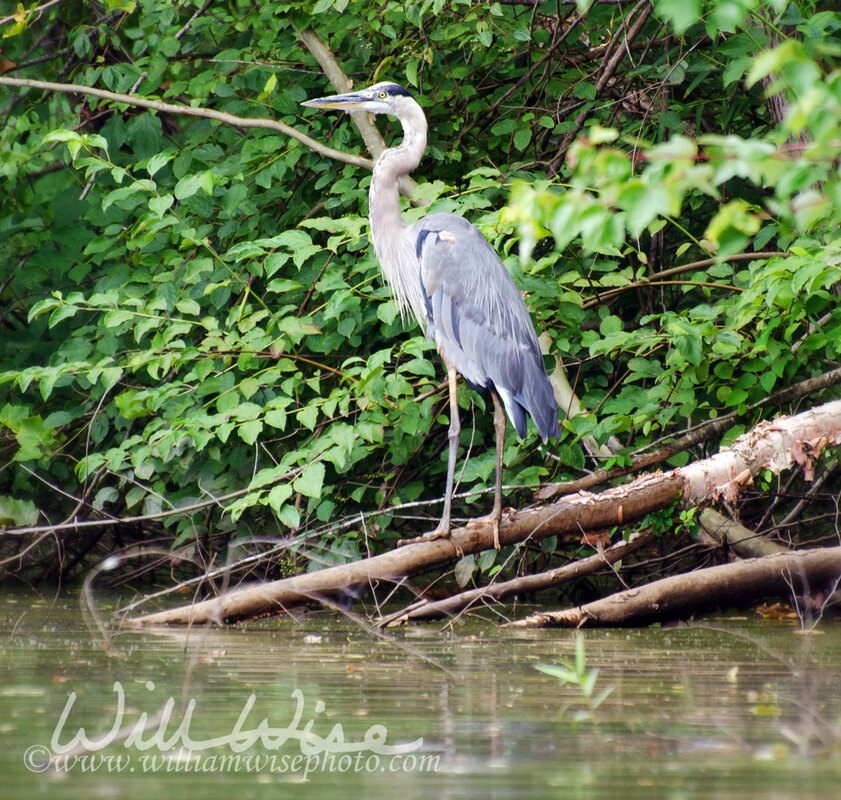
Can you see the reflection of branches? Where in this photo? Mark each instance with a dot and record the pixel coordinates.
(809, 611)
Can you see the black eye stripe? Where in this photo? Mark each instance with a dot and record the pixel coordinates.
(392, 90)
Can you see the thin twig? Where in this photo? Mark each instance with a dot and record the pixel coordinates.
(94, 523)
(643, 11)
(32, 11)
(189, 23)
(657, 278)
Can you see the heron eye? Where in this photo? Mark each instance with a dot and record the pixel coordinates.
(382, 95)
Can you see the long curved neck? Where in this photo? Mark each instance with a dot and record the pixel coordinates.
(395, 251)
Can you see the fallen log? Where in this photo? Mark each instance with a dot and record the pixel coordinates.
(699, 433)
(742, 541)
(771, 445)
(495, 592)
(705, 589)
(579, 512)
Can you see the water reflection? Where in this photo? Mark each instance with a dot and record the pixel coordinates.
(741, 709)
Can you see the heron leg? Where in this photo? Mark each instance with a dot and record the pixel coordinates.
(499, 427)
(454, 434)
(496, 512)
(443, 530)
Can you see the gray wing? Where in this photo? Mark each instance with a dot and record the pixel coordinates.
(476, 316)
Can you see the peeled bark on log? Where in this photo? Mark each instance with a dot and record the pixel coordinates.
(702, 590)
(771, 445)
(697, 435)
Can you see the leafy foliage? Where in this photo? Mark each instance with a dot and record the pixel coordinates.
(192, 312)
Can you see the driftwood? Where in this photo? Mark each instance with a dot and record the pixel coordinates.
(728, 533)
(576, 513)
(429, 609)
(682, 595)
(771, 445)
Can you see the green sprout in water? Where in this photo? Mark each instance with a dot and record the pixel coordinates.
(578, 675)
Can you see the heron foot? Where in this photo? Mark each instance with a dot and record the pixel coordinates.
(438, 533)
(493, 519)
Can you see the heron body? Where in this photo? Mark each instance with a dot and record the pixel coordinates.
(444, 272)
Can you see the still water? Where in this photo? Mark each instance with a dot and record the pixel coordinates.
(741, 708)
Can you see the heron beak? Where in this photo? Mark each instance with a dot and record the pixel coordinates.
(346, 102)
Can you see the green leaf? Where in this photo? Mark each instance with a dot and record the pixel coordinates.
(117, 317)
(62, 313)
(131, 404)
(249, 431)
(464, 570)
(387, 311)
(190, 184)
(160, 205)
(279, 495)
(42, 306)
(17, 513)
(156, 162)
(268, 88)
(681, 13)
(170, 46)
(522, 137)
(188, 307)
(308, 416)
(310, 481)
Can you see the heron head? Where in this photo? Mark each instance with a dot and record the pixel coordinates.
(381, 98)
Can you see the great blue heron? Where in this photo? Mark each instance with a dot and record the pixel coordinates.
(443, 270)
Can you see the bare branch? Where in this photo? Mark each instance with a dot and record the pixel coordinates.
(193, 111)
(728, 533)
(426, 610)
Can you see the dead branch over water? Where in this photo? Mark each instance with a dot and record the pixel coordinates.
(681, 595)
(775, 446)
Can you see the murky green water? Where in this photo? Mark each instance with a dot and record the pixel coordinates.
(747, 710)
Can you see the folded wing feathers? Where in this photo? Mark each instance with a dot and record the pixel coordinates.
(479, 321)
